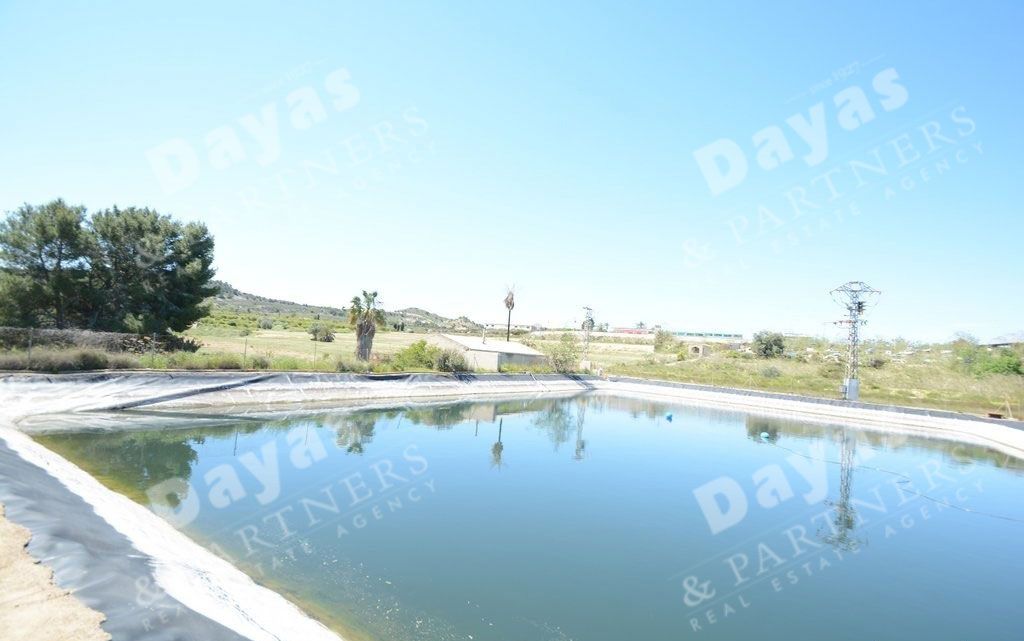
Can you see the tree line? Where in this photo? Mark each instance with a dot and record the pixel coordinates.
(122, 270)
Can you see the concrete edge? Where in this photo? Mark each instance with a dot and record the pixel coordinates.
(229, 379)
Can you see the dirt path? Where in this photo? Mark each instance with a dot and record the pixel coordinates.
(32, 608)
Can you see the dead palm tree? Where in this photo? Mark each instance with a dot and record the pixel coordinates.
(364, 315)
(510, 302)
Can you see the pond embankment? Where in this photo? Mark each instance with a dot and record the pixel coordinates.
(152, 582)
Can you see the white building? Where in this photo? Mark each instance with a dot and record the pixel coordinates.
(1006, 340)
(491, 354)
(501, 327)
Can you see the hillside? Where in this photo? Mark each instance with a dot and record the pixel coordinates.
(233, 301)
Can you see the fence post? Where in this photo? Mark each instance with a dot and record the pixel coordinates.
(31, 332)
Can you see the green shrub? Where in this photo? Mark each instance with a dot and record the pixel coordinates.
(1004, 361)
(769, 344)
(88, 359)
(421, 356)
(565, 355)
(322, 333)
(664, 341)
(980, 361)
(418, 356)
(265, 323)
(384, 367)
(877, 363)
(771, 372)
(450, 360)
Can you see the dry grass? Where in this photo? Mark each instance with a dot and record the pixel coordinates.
(281, 343)
(917, 383)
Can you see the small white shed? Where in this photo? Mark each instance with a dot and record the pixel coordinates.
(490, 354)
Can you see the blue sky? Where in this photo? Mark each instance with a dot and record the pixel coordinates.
(438, 154)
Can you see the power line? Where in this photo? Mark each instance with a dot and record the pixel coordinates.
(588, 326)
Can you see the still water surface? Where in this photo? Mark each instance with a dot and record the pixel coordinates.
(593, 518)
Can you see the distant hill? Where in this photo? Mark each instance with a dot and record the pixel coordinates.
(235, 300)
(230, 299)
(416, 317)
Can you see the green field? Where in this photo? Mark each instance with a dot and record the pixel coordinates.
(274, 343)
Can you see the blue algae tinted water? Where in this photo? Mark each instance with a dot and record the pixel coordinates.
(593, 518)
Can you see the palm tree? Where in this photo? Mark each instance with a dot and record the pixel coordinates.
(365, 316)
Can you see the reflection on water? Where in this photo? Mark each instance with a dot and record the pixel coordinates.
(517, 519)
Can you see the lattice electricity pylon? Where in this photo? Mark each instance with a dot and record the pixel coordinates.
(841, 537)
(854, 296)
